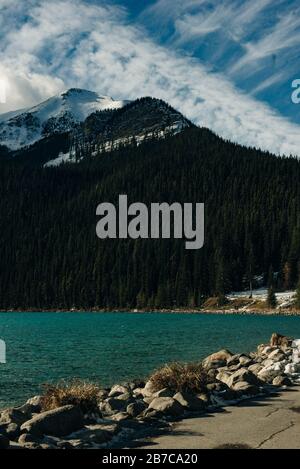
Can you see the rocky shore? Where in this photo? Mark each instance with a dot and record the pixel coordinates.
(130, 411)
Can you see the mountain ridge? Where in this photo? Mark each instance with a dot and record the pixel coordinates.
(92, 124)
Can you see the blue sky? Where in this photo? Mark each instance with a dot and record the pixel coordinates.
(226, 64)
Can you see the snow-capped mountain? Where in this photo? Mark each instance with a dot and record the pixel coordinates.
(61, 113)
(79, 123)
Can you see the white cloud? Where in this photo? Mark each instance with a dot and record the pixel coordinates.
(73, 43)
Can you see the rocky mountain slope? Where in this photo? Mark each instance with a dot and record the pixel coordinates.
(91, 124)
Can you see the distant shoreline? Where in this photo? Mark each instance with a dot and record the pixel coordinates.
(239, 312)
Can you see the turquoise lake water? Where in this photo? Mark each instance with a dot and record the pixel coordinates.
(115, 347)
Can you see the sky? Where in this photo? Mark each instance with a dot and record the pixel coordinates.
(226, 64)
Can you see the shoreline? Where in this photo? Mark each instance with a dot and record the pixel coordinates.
(238, 312)
(85, 415)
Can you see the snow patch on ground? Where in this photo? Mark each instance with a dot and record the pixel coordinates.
(62, 158)
(283, 298)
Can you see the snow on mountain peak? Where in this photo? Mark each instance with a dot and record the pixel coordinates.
(57, 114)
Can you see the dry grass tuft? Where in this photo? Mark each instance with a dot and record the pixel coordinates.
(180, 377)
(76, 392)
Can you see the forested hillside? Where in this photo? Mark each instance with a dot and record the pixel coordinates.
(51, 257)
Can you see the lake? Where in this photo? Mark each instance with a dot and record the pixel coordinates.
(115, 347)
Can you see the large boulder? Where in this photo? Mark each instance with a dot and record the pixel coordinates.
(217, 359)
(166, 405)
(243, 375)
(190, 401)
(244, 388)
(58, 422)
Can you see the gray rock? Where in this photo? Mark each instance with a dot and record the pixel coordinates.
(120, 416)
(277, 355)
(267, 376)
(224, 377)
(233, 368)
(218, 357)
(166, 405)
(243, 375)
(32, 406)
(4, 442)
(135, 408)
(94, 434)
(255, 368)
(35, 400)
(214, 364)
(125, 397)
(11, 430)
(190, 401)
(119, 389)
(245, 360)
(267, 362)
(234, 360)
(12, 416)
(245, 388)
(281, 380)
(148, 390)
(148, 400)
(212, 374)
(57, 422)
(217, 387)
(29, 438)
(113, 405)
(165, 392)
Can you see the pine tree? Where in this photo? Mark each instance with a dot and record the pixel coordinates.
(271, 299)
(297, 302)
